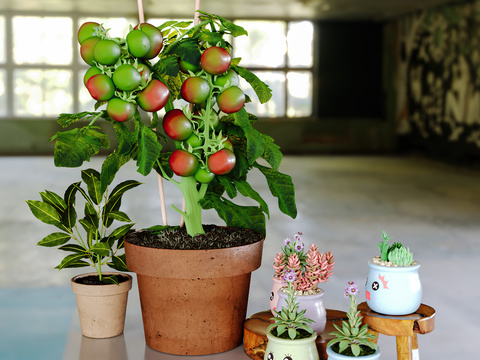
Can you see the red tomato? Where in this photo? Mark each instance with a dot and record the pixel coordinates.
(120, 110)
(176, 125)
(195, 90)
(156, 39)
(154, 97)
(221, 162)
(183, 163)
(86, 50)
(231, 100)
(101, 87)
(215, 60)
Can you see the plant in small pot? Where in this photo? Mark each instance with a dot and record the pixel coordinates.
(101, 296)
(393, 285)
(311, 268)
(206, 149)
(352, 338)
(291, 336)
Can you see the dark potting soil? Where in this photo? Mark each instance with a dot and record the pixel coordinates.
(94, 280)
(364, 350)
(215, 237)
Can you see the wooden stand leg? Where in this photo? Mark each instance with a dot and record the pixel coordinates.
(415, 351)
(404, 347)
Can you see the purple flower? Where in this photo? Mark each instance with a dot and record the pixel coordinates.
(297, 236)
(287, 241)
(289, 276)
(299, 246)
(351, 289)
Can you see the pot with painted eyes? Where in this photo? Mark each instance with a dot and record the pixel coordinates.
(287, 349)
(393, 284)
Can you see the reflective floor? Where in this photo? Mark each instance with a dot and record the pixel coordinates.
(344, 203)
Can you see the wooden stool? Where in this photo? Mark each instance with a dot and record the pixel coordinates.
(255, 333)
(404, 327)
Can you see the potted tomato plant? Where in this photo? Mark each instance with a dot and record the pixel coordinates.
(311, 267)
(101, 297)
(205, 148)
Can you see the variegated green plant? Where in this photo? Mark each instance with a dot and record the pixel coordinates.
(88, 239)
(352, 339)
(396, 253)
(289, 321)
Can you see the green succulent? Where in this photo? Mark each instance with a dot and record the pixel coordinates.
(396, 253)
(289, 322)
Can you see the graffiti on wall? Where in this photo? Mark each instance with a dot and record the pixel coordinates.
(437, 74)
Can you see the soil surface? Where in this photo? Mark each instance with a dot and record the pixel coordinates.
(93, 280)
(215, 237)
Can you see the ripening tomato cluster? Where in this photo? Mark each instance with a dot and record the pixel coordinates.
(118, 70)
(211, 87)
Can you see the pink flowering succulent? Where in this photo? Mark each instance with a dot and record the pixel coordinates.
(310, 268)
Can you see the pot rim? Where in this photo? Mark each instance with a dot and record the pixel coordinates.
(371, 356)
(295, 342)
(94, 290)
(394, 268)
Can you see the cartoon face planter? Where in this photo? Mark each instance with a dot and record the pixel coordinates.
(277, 284)
(286, 349)
(393, 290)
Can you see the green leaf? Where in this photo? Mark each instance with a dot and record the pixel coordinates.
(69, 217)
(101, 249)
(229, 187)
(119, 216)
(55, 200)
(355, 349)
(91, 178)
(73, 248)
(248, 217)
(119, 263)
(55, 239)
(123, 136)
(72, 261)
(246, 190)
(148, 150)
(292, 333)
(264, 93)
(115, 198)
(44, 212)
(272, 153)
(75, 146)
(70, 193)
(119, 232)
(110, 167)
(281, 186)
(343, 345)
(67, 119)
(234, 30)
(255, 147)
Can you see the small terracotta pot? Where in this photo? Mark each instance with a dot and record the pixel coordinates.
(102, 308)
(194, 302)
(314, 306)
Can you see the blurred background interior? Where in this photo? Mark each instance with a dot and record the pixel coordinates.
(376, 106)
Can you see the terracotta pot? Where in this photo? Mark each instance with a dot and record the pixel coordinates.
(393, 290)
(194, 302)
(302, 349)
(102, 308)
(314, 306)
(277, 284)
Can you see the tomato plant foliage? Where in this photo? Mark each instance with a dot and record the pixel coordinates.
(211, 131)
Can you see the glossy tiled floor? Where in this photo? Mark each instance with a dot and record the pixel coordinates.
(344, 204)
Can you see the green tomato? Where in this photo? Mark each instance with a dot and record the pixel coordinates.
(101, 87)
(138, 43)
(86, 50)
(231, 100)
(204, 175)
(194, 140)
(106, 52)
(155, 37)
(90, 72)
(120, 110)
(230, 75)
(87, 30)
(195, 90)
(126, 77)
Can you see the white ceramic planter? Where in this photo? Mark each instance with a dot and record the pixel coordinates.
(277, 284)
(102, 308)
(393, 290)
(332, 355)
(280, 349)
(315, 309)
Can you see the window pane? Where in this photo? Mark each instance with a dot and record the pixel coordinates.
(42, 40)
(3, 40)
(276, 105)
(42, 92)
(300, 44)
(299, 93)
(265, 45)
(3, 95)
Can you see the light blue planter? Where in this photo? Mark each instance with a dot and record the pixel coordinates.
(393, 290)
(313, 304)
(302, 349)
(332, 355)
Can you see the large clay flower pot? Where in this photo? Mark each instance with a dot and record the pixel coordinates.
(332, 355)
(315, 309)
(277, 284)
(102, 308)
(393, 290)
(301, 349)
(194, 302)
